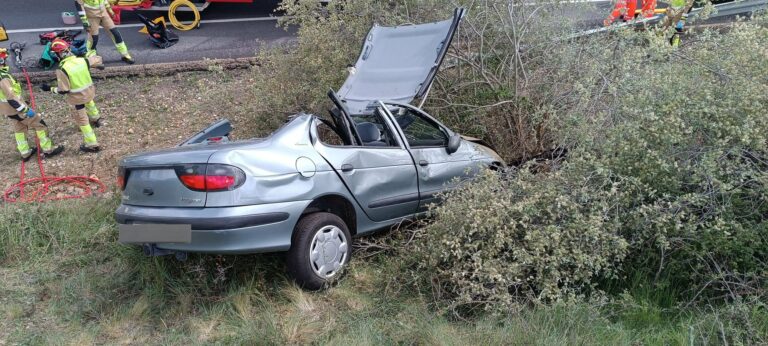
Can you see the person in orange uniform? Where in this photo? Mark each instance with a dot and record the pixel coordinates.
(627, 9)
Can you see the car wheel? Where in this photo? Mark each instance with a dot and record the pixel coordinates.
(320, 250)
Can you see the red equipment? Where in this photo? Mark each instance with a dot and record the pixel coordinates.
(628, 9)
(67, 35)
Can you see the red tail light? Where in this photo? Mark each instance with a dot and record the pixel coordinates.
(122, 177)
(210, 178)
(194, 182)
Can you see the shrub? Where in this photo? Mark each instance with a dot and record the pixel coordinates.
(533, 238)
(666, 176)
(670, 187)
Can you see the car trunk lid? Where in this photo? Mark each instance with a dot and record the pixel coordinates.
(398, 63)
(151, 179)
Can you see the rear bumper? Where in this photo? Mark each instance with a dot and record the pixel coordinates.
(231, 230)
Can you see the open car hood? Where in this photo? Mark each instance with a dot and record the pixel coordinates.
(398, 63)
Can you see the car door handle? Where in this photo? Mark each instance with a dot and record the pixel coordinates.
(423, 163)
(347, 167)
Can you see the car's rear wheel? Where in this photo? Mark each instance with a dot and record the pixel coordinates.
(320, 250)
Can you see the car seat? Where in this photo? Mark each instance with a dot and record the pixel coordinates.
(370, 135)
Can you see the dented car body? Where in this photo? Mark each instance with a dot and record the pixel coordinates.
(315, 182)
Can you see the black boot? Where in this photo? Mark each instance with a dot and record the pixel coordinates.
(128, 60)
(31, 153)
(56, 151)
(85, 149)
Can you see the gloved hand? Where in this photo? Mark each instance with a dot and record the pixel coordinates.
(45, 87)
(86, 23)
(30, 113)
(111, 12)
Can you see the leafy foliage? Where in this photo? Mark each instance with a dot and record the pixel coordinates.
(671, 186)
(666, 173)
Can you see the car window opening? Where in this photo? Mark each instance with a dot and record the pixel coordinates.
(419, 131)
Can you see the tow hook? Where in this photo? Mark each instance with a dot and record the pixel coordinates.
(152, 250)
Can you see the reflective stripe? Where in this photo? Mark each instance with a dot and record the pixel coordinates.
(88, 136)
(45, 142)
(15, 86)
(80, 89)
(92, 110)
(81, 13)
(77, 71)
(94, 4)
(122, 48)
(21, 108)
(21, 144)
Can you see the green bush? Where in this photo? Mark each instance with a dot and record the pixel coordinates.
(533, 238)
(666, 173)
(671, 187)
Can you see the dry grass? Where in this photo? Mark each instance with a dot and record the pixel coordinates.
(140, 114)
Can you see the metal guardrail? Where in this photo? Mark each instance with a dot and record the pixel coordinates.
(734, 8)
(721, 10)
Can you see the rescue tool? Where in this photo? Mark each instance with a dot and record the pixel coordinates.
(158, 33)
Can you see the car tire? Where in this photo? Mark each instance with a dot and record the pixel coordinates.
(321, 247)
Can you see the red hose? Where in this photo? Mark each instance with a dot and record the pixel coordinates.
(40, 187)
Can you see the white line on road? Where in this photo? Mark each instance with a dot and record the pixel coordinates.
(136, 25)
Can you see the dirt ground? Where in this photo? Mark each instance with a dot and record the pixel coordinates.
(139, 114)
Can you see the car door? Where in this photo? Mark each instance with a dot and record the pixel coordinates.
(427, 141)
(377, 170)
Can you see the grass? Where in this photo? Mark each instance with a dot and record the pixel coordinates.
(142, 114)
(65, 280)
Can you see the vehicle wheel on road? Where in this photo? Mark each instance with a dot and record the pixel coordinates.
(321, 247)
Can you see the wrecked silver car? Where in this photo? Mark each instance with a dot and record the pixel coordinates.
(314, 183)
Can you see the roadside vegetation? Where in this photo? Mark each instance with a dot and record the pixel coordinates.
(641, 219)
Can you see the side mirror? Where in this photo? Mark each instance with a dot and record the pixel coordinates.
(454, 142)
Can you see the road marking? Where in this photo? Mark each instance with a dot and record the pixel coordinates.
(136, 25)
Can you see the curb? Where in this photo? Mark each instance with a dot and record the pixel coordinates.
(159, 69)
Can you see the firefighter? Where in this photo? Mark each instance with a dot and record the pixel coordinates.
(627, 9)
(96, 14)
(676, 36)
(22, 116)
(677, 12)
(74, 81)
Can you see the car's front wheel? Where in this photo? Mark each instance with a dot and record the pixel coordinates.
(320, 250)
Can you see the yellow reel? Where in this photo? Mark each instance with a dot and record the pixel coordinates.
(176, 23)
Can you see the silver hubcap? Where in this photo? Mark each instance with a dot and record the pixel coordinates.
(328, 252)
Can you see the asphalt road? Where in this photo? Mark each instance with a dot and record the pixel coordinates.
(238, 30)
(25, 14)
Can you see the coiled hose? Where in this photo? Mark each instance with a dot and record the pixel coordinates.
(178, 24)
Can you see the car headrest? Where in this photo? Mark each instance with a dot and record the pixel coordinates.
(368, 132)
